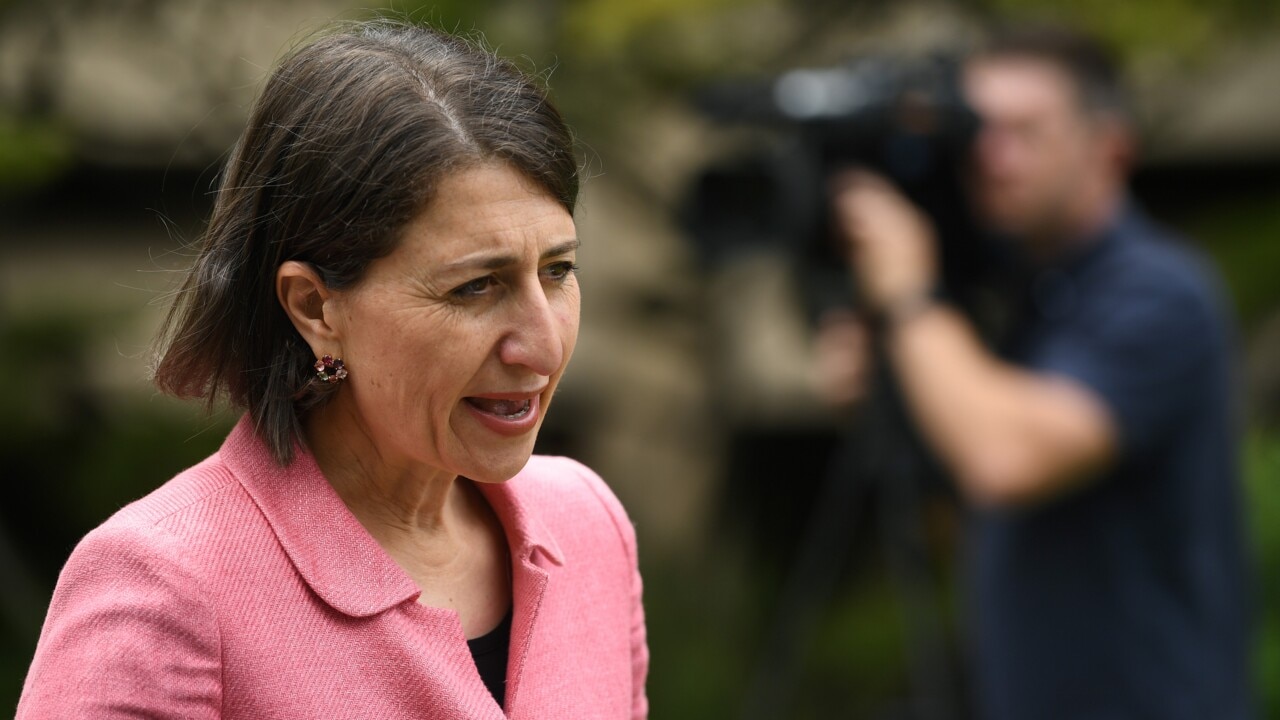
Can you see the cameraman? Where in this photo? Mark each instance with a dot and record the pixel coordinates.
(1096, 449)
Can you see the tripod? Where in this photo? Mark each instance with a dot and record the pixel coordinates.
(875, 459)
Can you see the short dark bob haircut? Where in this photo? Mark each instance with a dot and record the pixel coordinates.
(346, 144)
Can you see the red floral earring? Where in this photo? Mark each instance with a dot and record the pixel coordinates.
(329, 370)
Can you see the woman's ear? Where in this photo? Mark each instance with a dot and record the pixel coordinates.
(303, 295)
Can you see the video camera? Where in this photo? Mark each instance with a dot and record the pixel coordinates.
(906, 120)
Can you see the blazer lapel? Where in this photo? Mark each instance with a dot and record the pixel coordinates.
(535, 554)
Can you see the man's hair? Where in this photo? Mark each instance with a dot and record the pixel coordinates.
(347, 143)
(1089, 63)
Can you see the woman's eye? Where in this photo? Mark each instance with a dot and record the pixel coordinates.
(479, 286)
(561, 270)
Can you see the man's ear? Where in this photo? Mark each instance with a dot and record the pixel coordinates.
(303, 295)
(1119, 144)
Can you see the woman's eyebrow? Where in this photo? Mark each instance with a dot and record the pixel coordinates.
(563, 248)
(497, 262)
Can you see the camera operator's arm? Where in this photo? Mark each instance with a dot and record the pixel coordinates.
(1009, 436)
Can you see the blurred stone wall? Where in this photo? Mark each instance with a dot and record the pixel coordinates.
(148, 82)
(671, 359)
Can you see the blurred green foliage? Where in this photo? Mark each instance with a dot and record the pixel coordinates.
(32, 153)
(1179, 28)
(710, 616)
(1242, 238)
(1262, 483)
(603, 28)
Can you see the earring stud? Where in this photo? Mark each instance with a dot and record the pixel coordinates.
(329, 370)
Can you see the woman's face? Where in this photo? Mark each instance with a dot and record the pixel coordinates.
(455, 342)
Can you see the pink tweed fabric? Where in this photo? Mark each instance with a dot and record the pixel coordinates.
(240, 590)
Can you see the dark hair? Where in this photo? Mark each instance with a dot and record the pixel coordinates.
(345, 146)
(1089, 63)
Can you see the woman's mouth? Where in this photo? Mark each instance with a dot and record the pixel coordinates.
(508, 409)
(510, 416)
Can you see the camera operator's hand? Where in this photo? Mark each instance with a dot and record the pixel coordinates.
(891, 242)
(841, 358)
(1009, 436)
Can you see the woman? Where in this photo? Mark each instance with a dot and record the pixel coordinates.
(387, 288)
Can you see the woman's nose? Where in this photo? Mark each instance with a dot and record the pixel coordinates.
(534, 338)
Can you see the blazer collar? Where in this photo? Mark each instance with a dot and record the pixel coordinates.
(527, 536)
(331, 550)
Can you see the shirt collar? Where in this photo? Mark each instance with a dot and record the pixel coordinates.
(331, 550)
(1087, 252)
(1053, 289)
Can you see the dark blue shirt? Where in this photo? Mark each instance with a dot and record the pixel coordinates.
(1124, 599)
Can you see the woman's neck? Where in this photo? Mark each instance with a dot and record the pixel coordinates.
(436, 526)
(400, 503)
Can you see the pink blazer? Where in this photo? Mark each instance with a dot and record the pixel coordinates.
(240, 590)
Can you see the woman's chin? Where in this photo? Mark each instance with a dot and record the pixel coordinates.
(498, 467)
(495, 457)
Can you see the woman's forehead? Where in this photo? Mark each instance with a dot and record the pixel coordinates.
(484, 210)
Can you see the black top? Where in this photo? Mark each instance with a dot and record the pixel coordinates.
(490, 654)
(1126, 598)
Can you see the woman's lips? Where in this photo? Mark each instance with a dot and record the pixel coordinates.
(506, 414)
(510, 409)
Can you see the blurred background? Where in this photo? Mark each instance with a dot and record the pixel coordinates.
(690, 391)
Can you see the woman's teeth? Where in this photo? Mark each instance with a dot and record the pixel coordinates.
(509, 409)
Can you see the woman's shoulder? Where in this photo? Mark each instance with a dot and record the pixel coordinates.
(133, 590)
(179, 504)
(557, 470)
(557, 478)
(174, 523)
(562, 487)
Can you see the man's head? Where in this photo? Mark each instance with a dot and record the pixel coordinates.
(1052, 157)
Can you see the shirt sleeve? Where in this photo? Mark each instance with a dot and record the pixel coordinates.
(639, 636)
(128, 635)
(1145, 354)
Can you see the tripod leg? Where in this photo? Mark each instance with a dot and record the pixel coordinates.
(934, 695)
(808, 589)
